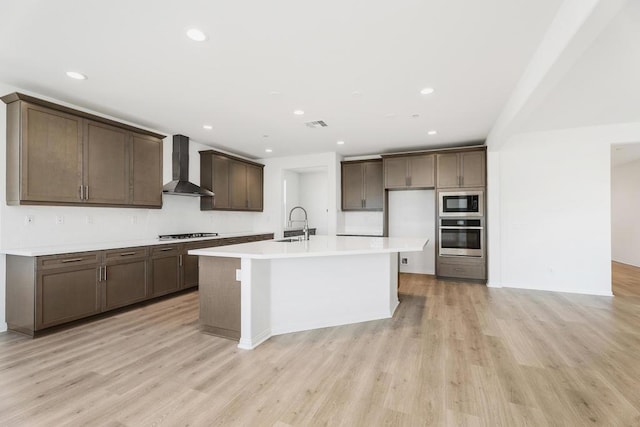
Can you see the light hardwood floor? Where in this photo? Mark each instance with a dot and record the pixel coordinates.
(453, 354)
(625, 279)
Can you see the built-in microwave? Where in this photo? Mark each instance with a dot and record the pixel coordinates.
(461, 203)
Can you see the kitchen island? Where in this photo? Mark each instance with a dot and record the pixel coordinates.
(289, 286)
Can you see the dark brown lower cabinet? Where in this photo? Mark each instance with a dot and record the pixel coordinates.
(46, 291)
(66, 294)
(124, 277)
(165, 270)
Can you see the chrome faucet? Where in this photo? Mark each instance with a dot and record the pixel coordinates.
(305, 229)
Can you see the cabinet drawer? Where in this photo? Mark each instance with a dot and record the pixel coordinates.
(68, 260)
(462, 271)
(124, 254)
(165, 250)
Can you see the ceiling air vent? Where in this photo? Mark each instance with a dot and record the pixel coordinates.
(317, 124)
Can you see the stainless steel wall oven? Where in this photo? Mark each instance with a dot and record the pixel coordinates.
(461, 237)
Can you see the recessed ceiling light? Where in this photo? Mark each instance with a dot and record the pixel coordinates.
(340, 142)
(274, 93)
(432, 132)
(356, 93)
(298, 112)
(268, 150)
(391, 116)
(196, 35)
(415, 116)
(207, 127)
(427, 90)
(76, 75)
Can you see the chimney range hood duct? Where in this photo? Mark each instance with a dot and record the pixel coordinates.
(180, 185)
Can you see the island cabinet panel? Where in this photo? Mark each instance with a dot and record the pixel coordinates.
(238, 184)
(466, 169)
(106, 164)
(165, 270)
(409, 172)
(51, 162)
(124, 277)
(60, 156)
(220, 296)
(146, 167)
(362, 188)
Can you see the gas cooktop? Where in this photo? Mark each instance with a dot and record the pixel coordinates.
(185, 236)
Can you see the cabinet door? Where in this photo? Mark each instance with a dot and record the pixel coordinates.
(422, 171)
(395, 172)
(51, 159)
(165, 274)
(472, 167)
(352, 183)
(106, 164)
(124, 283)
(448, 170)
(146, 168)
(238, 185)
(189, 271)
(373, 187)
(220, 182)
(254, 187)
(66, 294)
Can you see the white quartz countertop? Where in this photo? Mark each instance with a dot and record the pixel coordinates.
(317, 246)
(100, 246)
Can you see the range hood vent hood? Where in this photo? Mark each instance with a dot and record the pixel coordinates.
(180, 185)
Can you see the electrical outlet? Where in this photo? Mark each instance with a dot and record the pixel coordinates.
(88, 219)
(59, 219)
(28, 219)
(134, 219)
(238, 275)
(404, 261)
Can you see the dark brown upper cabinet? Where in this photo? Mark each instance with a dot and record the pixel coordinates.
(464, 169)
(238, 184)
(409, 172)
(60, 156)
(362, 185)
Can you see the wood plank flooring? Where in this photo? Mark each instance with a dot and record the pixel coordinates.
(454, 354)
(625, 279)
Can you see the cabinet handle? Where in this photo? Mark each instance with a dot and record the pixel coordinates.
(86, 192)
(105, 273)
(100, 274)
(166, 249)
(180, 261)
(81, 191)
(127, 253)
(64, 261)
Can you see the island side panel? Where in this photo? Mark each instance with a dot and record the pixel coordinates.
(219, 296)
(256, 302)
(394, 276)
(317, 292)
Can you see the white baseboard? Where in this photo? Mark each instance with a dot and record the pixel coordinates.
(250, 344)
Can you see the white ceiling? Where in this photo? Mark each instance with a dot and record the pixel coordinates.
(603, 85)
(142, 67)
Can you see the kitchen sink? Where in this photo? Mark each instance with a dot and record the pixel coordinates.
(288, 240)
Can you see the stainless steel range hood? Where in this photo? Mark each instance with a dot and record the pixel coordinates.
(180, 185)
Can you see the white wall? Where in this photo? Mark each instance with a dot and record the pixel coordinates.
(291, 197)
(549, 211)
(274, 171)
(362, 223)
(625, 205)
(314, 197)
(91, 224)
(412, 214)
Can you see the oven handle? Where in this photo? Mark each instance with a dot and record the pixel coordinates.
(448, 227)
